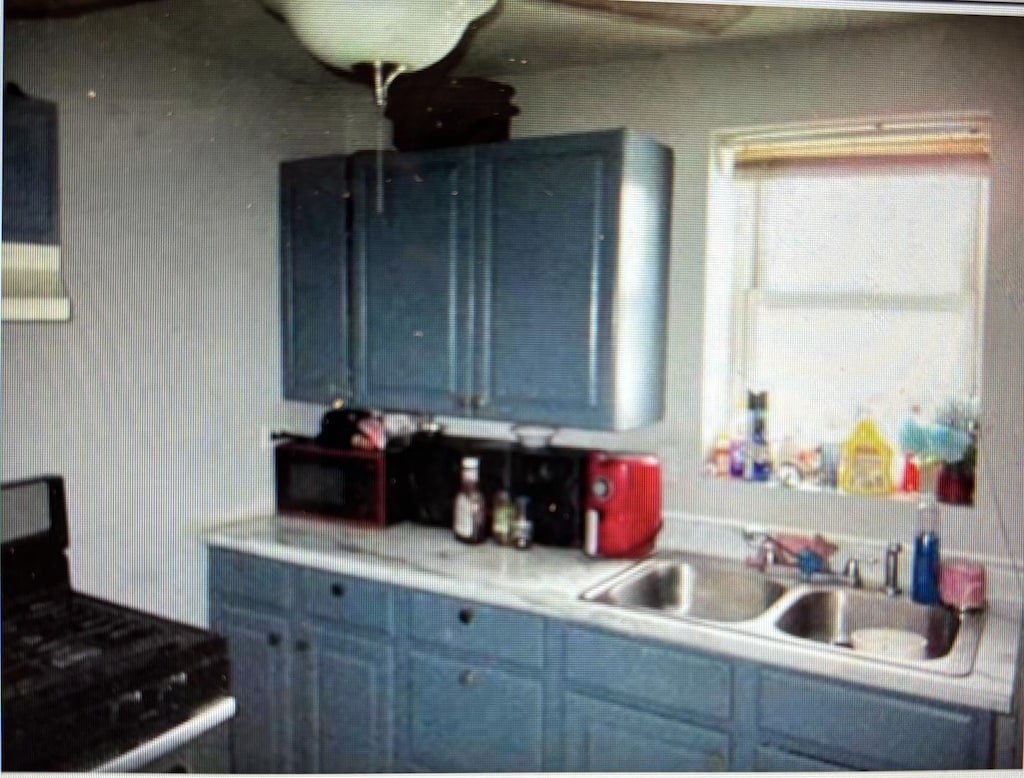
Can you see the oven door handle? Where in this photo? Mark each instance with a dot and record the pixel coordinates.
(206, 718)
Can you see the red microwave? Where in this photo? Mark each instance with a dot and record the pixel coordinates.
(337, 484)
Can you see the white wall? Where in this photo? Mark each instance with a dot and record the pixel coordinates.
(959, 63)
(150, 399)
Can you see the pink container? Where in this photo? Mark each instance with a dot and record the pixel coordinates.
(962, 585)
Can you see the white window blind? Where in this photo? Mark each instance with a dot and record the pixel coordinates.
(845, 270)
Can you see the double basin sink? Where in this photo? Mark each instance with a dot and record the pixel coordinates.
(831, 616)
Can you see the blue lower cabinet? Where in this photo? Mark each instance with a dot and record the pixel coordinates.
(769, 759)
(472, 715)
(336, 674)
(259, 645)
(347, 704)
(607, 737)
(866, 729)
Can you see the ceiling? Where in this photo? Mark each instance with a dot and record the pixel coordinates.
(517, 35)
(542, 35)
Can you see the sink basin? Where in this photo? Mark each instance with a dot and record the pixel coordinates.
(833, 616)
(726, 594)
(697, 588)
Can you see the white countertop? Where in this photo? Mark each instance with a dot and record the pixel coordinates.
(548, 581)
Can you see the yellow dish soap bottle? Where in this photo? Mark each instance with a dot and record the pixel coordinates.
(865, 461)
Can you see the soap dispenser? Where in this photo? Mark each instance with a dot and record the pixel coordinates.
(925, 589)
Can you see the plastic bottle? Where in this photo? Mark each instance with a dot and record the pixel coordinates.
(925, 583)
(469, 520)
(759, 460)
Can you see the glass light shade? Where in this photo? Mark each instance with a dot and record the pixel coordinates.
(410, 33)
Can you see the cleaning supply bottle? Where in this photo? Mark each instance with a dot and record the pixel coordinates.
(925, 583)
(865, 461)
(759, 461)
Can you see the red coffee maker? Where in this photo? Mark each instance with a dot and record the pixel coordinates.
(622, 510)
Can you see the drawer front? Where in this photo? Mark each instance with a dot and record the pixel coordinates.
(889, 731)
(251, 578)
(669, 678)
(473, 716)
(469, 626)
(354, 601)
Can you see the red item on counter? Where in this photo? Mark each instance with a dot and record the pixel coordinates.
(911, 475)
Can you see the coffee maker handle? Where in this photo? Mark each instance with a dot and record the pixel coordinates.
(592, 522)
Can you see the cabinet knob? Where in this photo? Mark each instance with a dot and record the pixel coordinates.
(469, 678)
(302, 645)
(337, 590)
(466, 615)
(479, 402)
(274, 639)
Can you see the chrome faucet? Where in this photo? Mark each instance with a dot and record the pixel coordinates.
(851, 572)
(892, 568)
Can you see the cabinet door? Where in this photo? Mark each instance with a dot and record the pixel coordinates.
(607, 737)
(547, 237)
(472, 715)
(30, 180)
(412, 276)
(261, 681)
(769, 759)
(347, 704)
(314, 279)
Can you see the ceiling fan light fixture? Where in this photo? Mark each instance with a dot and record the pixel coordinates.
(410, 34)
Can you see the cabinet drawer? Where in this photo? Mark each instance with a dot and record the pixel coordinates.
(355, 601)
(496, 632)
(473, 716)
(658, 675)
(889, 731)
(251, 578)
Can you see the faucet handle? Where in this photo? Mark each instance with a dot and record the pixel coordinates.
(851, 571)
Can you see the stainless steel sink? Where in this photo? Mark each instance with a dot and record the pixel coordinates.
(832, 616)
(699, 588)
(727, 594)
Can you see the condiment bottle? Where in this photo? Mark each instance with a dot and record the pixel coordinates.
(759, 460)
(501, 518)
(469, 520)
(925, 583)
(522, 527)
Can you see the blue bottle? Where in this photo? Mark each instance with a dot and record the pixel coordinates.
(759, 462)
(925, 583)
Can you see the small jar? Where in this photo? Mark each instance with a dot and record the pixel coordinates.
(522, 527)
(502, 516)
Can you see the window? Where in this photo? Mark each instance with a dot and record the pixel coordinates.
(844, 273)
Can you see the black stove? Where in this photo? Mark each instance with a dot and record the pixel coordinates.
(85, 680)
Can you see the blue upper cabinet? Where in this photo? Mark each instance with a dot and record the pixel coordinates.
(30, 186)
(412, 270)
(314, 279)
(522, 281)
(572, 236)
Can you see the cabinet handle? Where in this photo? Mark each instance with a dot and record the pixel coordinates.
(466, 615)
(274, 639)
(302, 645)
(468, 678)
(337, 590)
